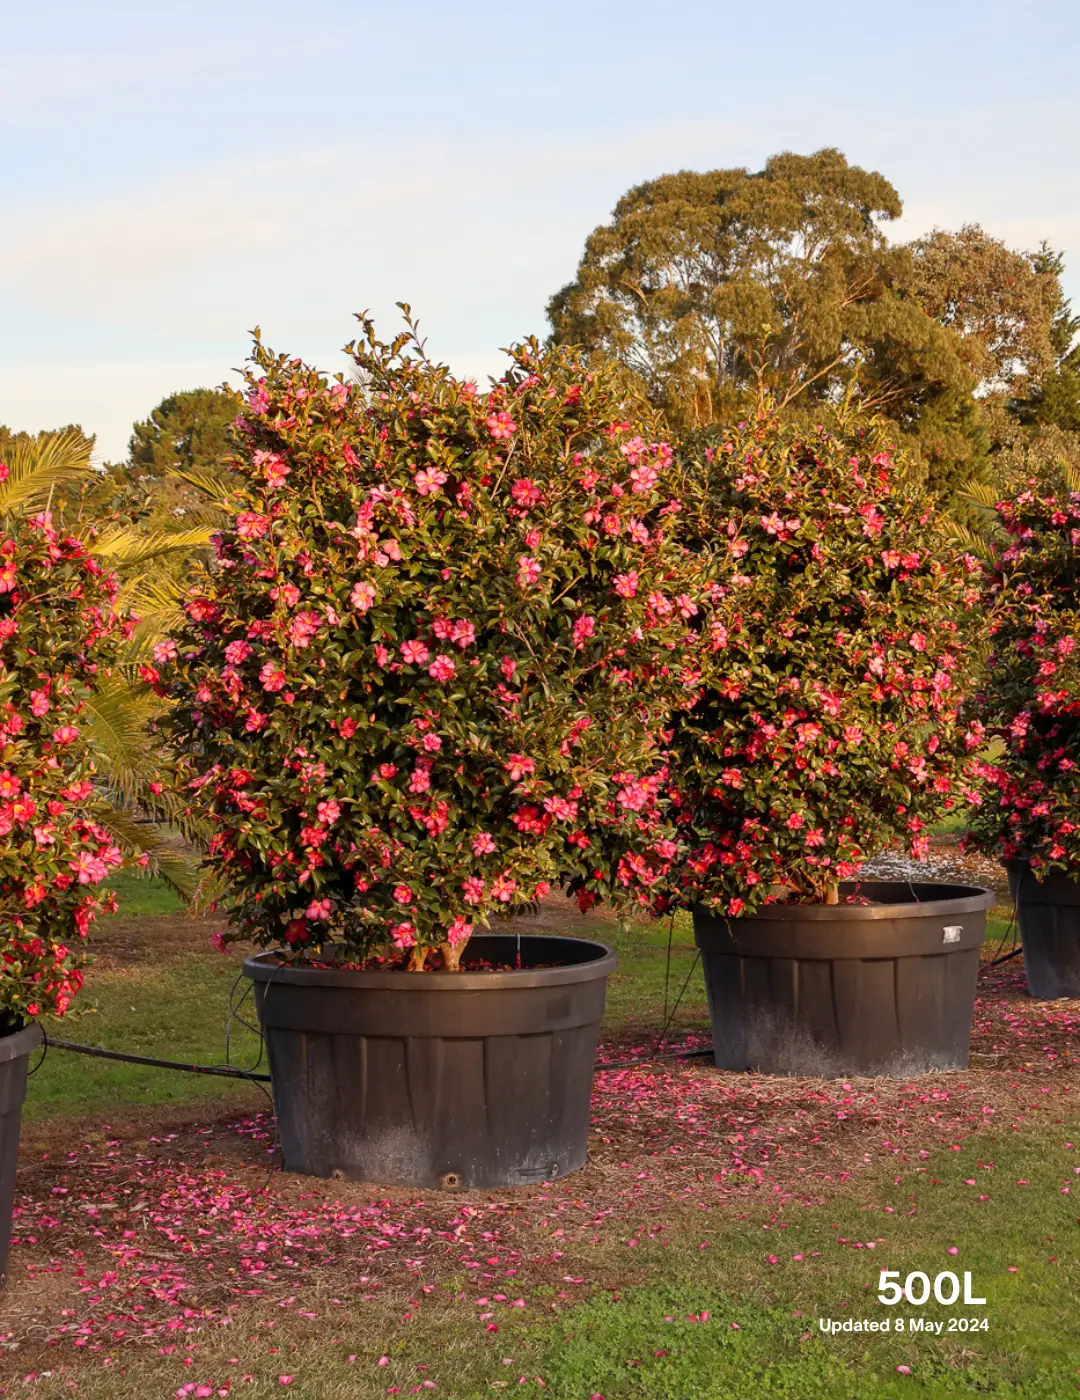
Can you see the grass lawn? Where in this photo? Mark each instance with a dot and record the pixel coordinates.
(721, 1217)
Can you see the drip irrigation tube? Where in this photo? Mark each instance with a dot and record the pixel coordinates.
(223, 1071)
(229, 1072)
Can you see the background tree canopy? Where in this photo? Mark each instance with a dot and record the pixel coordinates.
(714, 288)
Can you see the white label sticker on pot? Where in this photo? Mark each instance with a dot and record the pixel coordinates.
(952, 933)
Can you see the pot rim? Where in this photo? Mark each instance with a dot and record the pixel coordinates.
(21, 1042)
(964, 899)
(265, 967)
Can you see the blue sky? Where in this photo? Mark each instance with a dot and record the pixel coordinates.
(176, 173)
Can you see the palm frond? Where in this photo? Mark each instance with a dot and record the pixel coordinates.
(118, 716)
(980, 493)
(217, 489)
(960, 534)
(177, 868)
(38, 465)
(126, 547)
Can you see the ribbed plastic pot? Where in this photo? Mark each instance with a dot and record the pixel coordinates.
(886, 988)
(437, 1079)
(15, 1050)
(1048, 912)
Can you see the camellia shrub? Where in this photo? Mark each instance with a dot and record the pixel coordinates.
(433, 660)
(1027, 803)
(58, 628)
(826, 724)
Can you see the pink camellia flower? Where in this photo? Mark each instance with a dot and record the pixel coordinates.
(403, 894)
(528, 570)
(458, 932)
(65, 734)
(519, 766)
(276, 472)
(463, 634)
(626, 585)
(328, 812)
(89, 869)
(917, 641)
(40, 703)
(583, 629)
(362, 596)
(217, 942)
(526, 492)
(503, 887)
(508, 666)
(237, 652)
(432, 743)
(165, 651)
(272, 677)
(303, 628)
(501, 425)
(414, 653)
(404, 935)
(428, 481)
(474, 888)
(643, 478)
(251, 526)
(442, 669)
(483, 843)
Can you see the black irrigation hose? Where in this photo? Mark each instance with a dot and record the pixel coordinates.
(224, 1071)
(228, 1072)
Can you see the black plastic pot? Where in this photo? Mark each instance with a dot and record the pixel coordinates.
(1048, 912)
(15, 1050)
(437, 1079)
(886, 988)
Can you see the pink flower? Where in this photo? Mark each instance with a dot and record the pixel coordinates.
(518, 766)
(65, 734)
(237, 652)
(643, 478)
(429, 480)
(404, 935)
(584, 627)
(296, 931)
(414, 653)
(917, 641)
(474, 890)
(503, 887)
(432, 743)
(458, 932)
(362, 596)
(251, 526)
(508, 666)
(483, 844)
(403, 894)
(442, 669)
(328, 812)
(626, 585)
(463, 634)
(525, 492)
(165, 651)
(89, 869)
(272, 677)
(501, 425)
(528, 570)
(320, 909)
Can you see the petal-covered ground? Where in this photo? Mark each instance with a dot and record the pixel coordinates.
(150, 1240)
